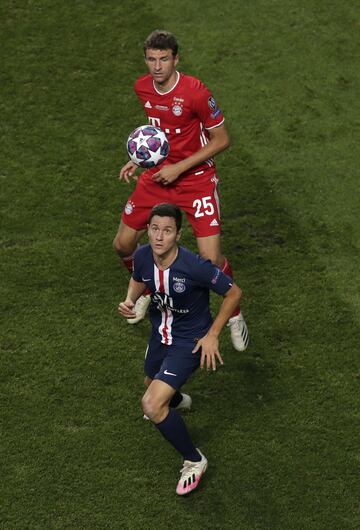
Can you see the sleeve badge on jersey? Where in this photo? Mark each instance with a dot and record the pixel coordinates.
(212, 103)
(214, 107)
(216, 276)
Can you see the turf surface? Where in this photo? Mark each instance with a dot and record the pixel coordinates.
(279, 423)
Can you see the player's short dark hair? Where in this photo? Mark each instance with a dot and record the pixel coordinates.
(166, 209)
(161, 40)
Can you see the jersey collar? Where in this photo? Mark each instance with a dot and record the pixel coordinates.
(172, 88)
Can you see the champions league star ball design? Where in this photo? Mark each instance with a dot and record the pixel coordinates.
(147, 146)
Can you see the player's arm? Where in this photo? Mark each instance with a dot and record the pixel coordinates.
(210, 343)
(135, 290)
(219, 141)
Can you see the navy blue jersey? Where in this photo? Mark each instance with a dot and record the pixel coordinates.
(179, 309)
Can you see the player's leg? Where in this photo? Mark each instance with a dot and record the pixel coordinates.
(156, 405)
(170, 424)
(203, 213)
(155, 401)
(154, 358)
(202, 210)
(209, 248)
(126, 241)
(177, 365)
(179, 400)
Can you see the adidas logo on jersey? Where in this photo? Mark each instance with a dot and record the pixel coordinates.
(214, 223)
(148, 105)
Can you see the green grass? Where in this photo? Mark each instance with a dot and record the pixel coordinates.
(278, 423)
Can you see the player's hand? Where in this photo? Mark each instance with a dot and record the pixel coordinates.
(128, 171)
(209, 352)
(126, 309)
(167, 174)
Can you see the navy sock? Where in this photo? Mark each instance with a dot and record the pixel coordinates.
(176, 400)
(174, 430)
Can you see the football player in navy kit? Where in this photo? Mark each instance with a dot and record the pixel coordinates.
(184, 336)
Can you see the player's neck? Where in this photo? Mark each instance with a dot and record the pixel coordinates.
(169, 84)
(163, 262)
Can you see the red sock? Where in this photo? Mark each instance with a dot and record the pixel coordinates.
(226, 269)
(129, 264)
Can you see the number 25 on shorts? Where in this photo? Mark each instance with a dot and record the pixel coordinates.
(203, 206)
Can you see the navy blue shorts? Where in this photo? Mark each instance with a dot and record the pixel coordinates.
(172, 364)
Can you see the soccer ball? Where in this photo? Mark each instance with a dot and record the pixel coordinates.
(147, 146)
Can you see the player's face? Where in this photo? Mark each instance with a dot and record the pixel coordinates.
(163, 236)
(162, 67)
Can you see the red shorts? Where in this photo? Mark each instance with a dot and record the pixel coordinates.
(196, 195)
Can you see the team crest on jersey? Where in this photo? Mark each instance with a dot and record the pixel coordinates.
(177, 109)
(129, 207)
(177, 106)
(179, 287)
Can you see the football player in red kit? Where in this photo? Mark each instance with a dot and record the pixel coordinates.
(184, 108)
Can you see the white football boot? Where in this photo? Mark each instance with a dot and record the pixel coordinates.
(191, 474)
(140, 309)
(239, 332)
(184, 405)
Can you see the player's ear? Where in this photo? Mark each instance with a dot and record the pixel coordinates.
(176, 59)
(178, 235)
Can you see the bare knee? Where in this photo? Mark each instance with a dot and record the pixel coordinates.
(154, 409)
(122, 248)
(126, 240)
(210, 248)
(151, 407)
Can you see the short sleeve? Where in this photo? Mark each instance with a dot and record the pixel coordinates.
(207, 108)
(211, 277)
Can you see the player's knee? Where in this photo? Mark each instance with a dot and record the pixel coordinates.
(150, 406)
(215, 257)
(117, 246)
(122, 249)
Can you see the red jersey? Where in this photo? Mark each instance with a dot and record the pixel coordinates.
(185, 113)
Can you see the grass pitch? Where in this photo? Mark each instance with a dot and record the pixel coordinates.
(279, 423)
